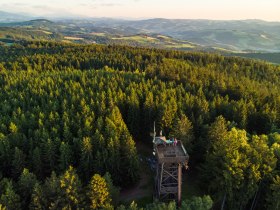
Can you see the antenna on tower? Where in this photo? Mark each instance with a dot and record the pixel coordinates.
(154, 140)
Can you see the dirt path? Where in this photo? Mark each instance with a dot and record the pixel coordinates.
(142, 189)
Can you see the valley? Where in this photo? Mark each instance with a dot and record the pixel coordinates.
(252, 39)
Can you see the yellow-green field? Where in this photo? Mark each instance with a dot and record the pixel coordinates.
(159, 40)
(97, 34)
(73, 38)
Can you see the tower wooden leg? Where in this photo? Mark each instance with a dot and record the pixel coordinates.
(179, 184)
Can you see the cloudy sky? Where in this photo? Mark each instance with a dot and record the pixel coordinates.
(185, 9)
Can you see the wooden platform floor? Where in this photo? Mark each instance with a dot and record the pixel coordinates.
(170, 151)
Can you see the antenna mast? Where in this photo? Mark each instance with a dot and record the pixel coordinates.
(154, 140)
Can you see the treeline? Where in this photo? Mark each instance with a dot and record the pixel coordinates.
(67, 192)
(271, 57)
(58, 111)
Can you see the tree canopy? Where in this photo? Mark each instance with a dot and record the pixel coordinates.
(72, 112)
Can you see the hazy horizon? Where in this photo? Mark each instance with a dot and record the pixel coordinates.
(144, 9)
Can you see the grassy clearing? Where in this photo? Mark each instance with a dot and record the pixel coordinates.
(163, 37)
(141, 39)
(66, 41)
(163, 41)
(179, 45)
(98, 34)
(46, 32)
(73, 38)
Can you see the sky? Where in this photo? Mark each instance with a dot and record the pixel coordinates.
(141, 9)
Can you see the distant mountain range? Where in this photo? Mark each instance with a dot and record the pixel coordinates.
(243, 35)
(11, 17)
(208, 35)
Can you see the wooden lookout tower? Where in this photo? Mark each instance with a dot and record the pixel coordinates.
(171, 157)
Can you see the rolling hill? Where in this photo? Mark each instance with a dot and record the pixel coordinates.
(247, 38)
(12, 17)
(240, 35)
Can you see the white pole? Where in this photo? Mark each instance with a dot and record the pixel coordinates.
(154, 140)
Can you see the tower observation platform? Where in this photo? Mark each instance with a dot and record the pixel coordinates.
(171, 156)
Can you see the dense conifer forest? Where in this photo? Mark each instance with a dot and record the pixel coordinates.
(70, 116)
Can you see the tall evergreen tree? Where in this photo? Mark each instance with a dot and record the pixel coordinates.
(86, 161)
(99, 193)
(52, 192)
(113, 190)
(183, 130)
(26, 183)
(65, 156)
(9, 198)
(37, 198)
(71, 191)
(18, 163)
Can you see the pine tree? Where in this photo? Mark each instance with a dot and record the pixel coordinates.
(37, 198)
(71, 192)
(18, 163)
(217, 132)
(49, 158)
(168, 114)
(183, 131)
(65, 156)
(37, 163)
(98, 193)
(52, 192)
(5, 156)
(86, 161)
(25, 185)
(9, 198)
(114, 191)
